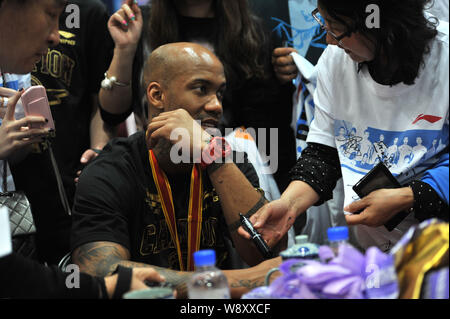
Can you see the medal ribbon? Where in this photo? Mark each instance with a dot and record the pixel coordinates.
(195, 209)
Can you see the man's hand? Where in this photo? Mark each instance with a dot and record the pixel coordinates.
(137, 281)
(86, 158)
(380, 206)
(283, 64)
(272, 221)
(178, 126)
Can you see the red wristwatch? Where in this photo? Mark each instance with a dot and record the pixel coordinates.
(218, 148)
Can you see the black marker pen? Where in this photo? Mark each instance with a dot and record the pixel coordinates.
(257, 239)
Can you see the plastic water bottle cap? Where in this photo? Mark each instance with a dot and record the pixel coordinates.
(301, 239)
(337, 233)
(205, 257)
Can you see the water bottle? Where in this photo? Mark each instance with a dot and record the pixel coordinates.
(208, 282)
(337, 236)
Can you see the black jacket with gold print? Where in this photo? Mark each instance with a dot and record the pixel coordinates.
(117, 201)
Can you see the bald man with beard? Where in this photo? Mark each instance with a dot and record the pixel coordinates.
(138, 204)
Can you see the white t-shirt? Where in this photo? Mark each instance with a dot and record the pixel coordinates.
(403, 126)
(440, 10)
(241, 141)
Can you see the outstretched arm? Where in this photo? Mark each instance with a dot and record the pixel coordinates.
(310, 186)
(102, 258)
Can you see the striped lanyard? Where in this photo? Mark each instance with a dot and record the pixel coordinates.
(195, 209)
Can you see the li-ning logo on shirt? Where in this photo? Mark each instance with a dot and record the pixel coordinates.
(428, 118)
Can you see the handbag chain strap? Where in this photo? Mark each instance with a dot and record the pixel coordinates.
(61, 189)
(4, 191)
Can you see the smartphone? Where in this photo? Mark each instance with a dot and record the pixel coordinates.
(380, 177)
(35, 102)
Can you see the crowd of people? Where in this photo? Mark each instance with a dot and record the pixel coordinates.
(189, 70)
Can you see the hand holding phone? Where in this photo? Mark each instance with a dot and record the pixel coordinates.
(380, 177)
(35, 103)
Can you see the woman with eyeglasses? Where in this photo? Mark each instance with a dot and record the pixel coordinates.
(391, 80)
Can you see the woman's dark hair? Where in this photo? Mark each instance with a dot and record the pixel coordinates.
(239, 42)
(401, 41)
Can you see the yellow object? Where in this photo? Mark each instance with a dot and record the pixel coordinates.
(426, 250)
(66, 35)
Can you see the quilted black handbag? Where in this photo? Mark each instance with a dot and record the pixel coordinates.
(23, 230)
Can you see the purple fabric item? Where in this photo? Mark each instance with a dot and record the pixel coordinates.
(436, 285)
(347, 287)
(291, 265)
(350, 275)
(380, 276)
(349, 258)
(305, 293)
(258, 293)
(285, 286)
(325, 254)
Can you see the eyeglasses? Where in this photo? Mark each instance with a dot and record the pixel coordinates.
(316, 15)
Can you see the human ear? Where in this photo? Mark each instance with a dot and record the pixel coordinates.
(155, 95)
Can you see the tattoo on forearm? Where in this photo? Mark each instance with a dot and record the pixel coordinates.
(176, 278)
(98, 259)
(250, 284)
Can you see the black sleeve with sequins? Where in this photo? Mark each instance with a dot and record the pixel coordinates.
(319, 167)
(427, 203)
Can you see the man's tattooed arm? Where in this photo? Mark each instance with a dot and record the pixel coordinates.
(242, 281)
(99, 258)
(102, 258)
